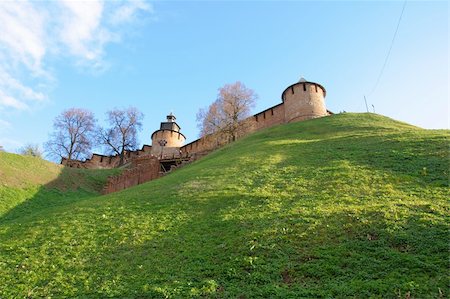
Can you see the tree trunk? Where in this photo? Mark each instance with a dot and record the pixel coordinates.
(122, 154)
(69, 154)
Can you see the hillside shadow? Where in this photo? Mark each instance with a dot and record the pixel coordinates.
(339, 254)
(218, 246)
(71, 185)
(201, 244)
(206, 251)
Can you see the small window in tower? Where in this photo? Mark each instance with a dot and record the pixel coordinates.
(264, 115)
(256, 118)
(315, 87)
(304, 87)
(292, 88)
(271, 110)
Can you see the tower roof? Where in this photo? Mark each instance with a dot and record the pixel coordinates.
(171, 117)
(169, 125)
(303, 81)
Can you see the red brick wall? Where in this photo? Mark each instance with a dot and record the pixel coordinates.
(304, 101)
(264, 119)
(270, 117)
(143, 169)
(204, 144)
(100, 161)
(267, 118)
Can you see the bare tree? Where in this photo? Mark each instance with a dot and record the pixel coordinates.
(209, 120)
(31, 150)
(226, 113)
(121, 136)
(73, 134)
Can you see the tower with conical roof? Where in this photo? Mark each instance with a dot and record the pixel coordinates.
(304, 100)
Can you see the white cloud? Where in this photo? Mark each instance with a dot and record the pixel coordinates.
(81, 30)
(23, 35)
(31, 32)
(14, 86)
(10, 102)
(128, 11)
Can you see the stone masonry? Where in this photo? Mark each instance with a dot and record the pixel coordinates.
(300, 101)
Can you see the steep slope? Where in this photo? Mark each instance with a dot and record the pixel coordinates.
(343, 206)
(26, 177)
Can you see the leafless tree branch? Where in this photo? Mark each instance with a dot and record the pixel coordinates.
(73, 135)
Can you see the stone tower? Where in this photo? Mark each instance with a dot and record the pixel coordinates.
(167, 140)
(304, 100)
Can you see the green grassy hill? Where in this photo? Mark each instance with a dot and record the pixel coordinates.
(352, 205)
(23, 178)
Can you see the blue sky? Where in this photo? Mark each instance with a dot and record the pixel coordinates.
(173, 56)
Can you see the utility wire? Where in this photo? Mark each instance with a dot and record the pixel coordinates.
(389, 52)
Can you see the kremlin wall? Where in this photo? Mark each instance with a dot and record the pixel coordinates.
(300, 101)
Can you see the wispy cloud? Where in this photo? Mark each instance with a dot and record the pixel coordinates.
(33, 31)
(7, 101)
(23, 36)
(81, 30)
(12, 89)
(128, 11)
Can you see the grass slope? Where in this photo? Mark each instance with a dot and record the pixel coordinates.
(24, 177)
(353, 205)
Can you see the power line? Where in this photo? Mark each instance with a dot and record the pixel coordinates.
(367, 107)
(390, 48)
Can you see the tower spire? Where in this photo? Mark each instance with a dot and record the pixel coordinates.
(171, 117)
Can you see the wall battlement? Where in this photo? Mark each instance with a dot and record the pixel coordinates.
(98, 161)
(300, 101)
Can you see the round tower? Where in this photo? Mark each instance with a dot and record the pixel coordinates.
(304, 100)
(167, 140)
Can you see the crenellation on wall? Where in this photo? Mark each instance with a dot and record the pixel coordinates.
(98, 161)
(304, 100)
(269, 117)
(300, 101)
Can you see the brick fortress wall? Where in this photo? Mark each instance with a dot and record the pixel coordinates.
(300, 101)
(98, 161)
(264, 119)
(143, 169)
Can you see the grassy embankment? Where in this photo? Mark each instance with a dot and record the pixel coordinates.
(348, 205)
(24, 177)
